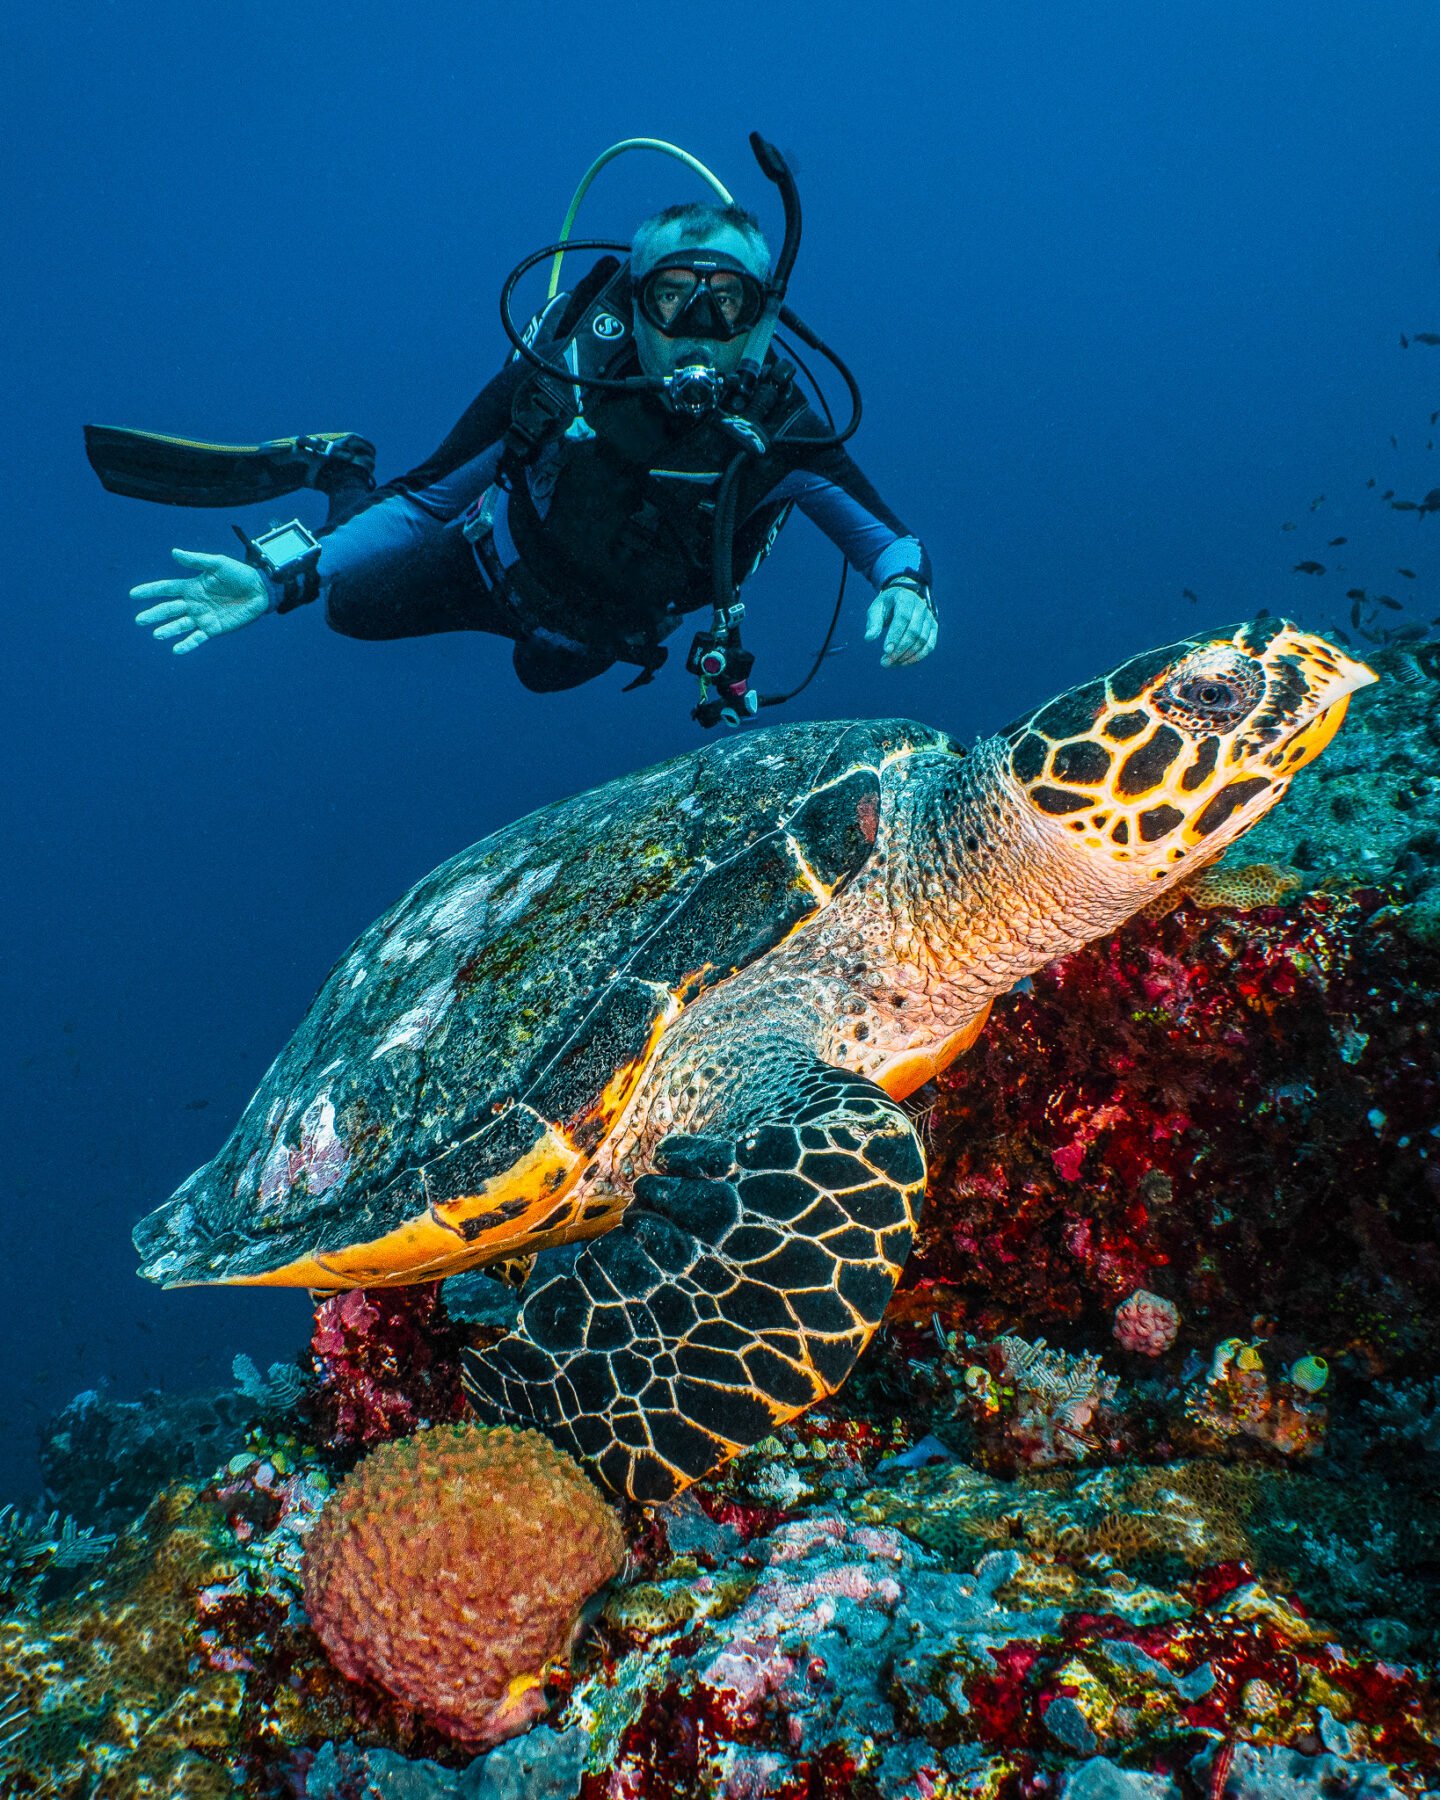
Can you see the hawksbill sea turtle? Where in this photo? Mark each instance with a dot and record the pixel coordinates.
(661, 1033)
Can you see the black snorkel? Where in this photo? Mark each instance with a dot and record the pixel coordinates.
(775, 169)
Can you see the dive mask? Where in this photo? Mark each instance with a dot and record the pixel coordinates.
(706, 294)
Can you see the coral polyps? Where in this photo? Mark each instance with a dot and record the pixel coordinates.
(451, 1569)
(1146, 1323)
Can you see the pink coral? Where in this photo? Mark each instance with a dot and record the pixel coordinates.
(1147, 1323)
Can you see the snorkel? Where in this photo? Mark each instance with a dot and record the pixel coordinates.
(775, 169)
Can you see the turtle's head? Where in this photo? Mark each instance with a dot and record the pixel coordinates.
(1182, 750)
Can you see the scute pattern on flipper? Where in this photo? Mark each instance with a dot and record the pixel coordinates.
(494, 980)
(739, 1288)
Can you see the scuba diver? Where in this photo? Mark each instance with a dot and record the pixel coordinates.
(631, 464)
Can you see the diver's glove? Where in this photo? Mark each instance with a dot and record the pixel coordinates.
(222, 595)
(905, 614)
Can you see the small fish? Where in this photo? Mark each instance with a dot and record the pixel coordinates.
(1289, 525)
(1425, 337)
(1394, 441)
(196, 1105)
(1389, 494)
(1344, 636)
(1404, 341)
(1335, 541)
(1435, 418)
(1431, 502)
(1189, 594)
(1319, 500)
(1354, 593)
(1355, 615)
(1390, 601)
(1370, 482)
(1409, 574)
(1407, 506)
(1406, 634)
(1308, 568)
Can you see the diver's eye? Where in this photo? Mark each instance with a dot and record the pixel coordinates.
(1211, 698)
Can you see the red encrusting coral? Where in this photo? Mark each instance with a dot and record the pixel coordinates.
(1229, 1107)
(386, 1363)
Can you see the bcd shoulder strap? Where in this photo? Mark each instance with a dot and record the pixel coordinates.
(583, 332)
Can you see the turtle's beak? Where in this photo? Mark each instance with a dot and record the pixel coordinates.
(1331, 678)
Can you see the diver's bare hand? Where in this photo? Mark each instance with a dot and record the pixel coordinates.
(906, 618)
(222, 595)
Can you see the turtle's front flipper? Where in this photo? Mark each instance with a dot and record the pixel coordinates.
(739, 1288)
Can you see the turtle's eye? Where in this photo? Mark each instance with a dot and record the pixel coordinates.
(1214, 697)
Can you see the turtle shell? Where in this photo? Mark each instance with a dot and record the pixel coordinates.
(470, 1051)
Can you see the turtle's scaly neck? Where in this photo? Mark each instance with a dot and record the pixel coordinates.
(989, 887)
(970, 890)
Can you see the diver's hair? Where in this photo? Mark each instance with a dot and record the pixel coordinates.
(697, 219)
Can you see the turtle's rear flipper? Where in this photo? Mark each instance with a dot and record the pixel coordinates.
(739, 1288)
(147, 465)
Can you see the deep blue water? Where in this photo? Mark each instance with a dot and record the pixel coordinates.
(1124, 286)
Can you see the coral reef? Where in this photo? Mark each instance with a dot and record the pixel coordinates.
(104, 1459)
(1238, 1398)
(1369, 809)
(1031, 1407)
(36, 1553)
(1243, 887)
(1236, 1109)
(451, 1569)
(144, 1681)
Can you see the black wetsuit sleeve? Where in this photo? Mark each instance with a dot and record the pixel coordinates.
(487, 418)
(829, 486)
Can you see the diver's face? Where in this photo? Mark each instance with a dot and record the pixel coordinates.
(668, 298)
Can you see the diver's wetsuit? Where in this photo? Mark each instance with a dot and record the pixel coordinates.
(614, 516)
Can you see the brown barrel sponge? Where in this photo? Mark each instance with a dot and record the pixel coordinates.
(450, 1568)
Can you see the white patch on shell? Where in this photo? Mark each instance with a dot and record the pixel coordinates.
(320, 1158)
(468, 909)
(413, 1027)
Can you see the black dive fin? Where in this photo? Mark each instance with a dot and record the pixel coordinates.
(147, 465)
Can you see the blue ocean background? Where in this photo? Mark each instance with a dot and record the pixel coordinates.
(1124, 287)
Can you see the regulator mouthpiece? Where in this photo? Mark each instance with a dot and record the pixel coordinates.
(694, 389)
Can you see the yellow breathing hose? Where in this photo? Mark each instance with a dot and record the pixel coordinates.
(636, 143)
